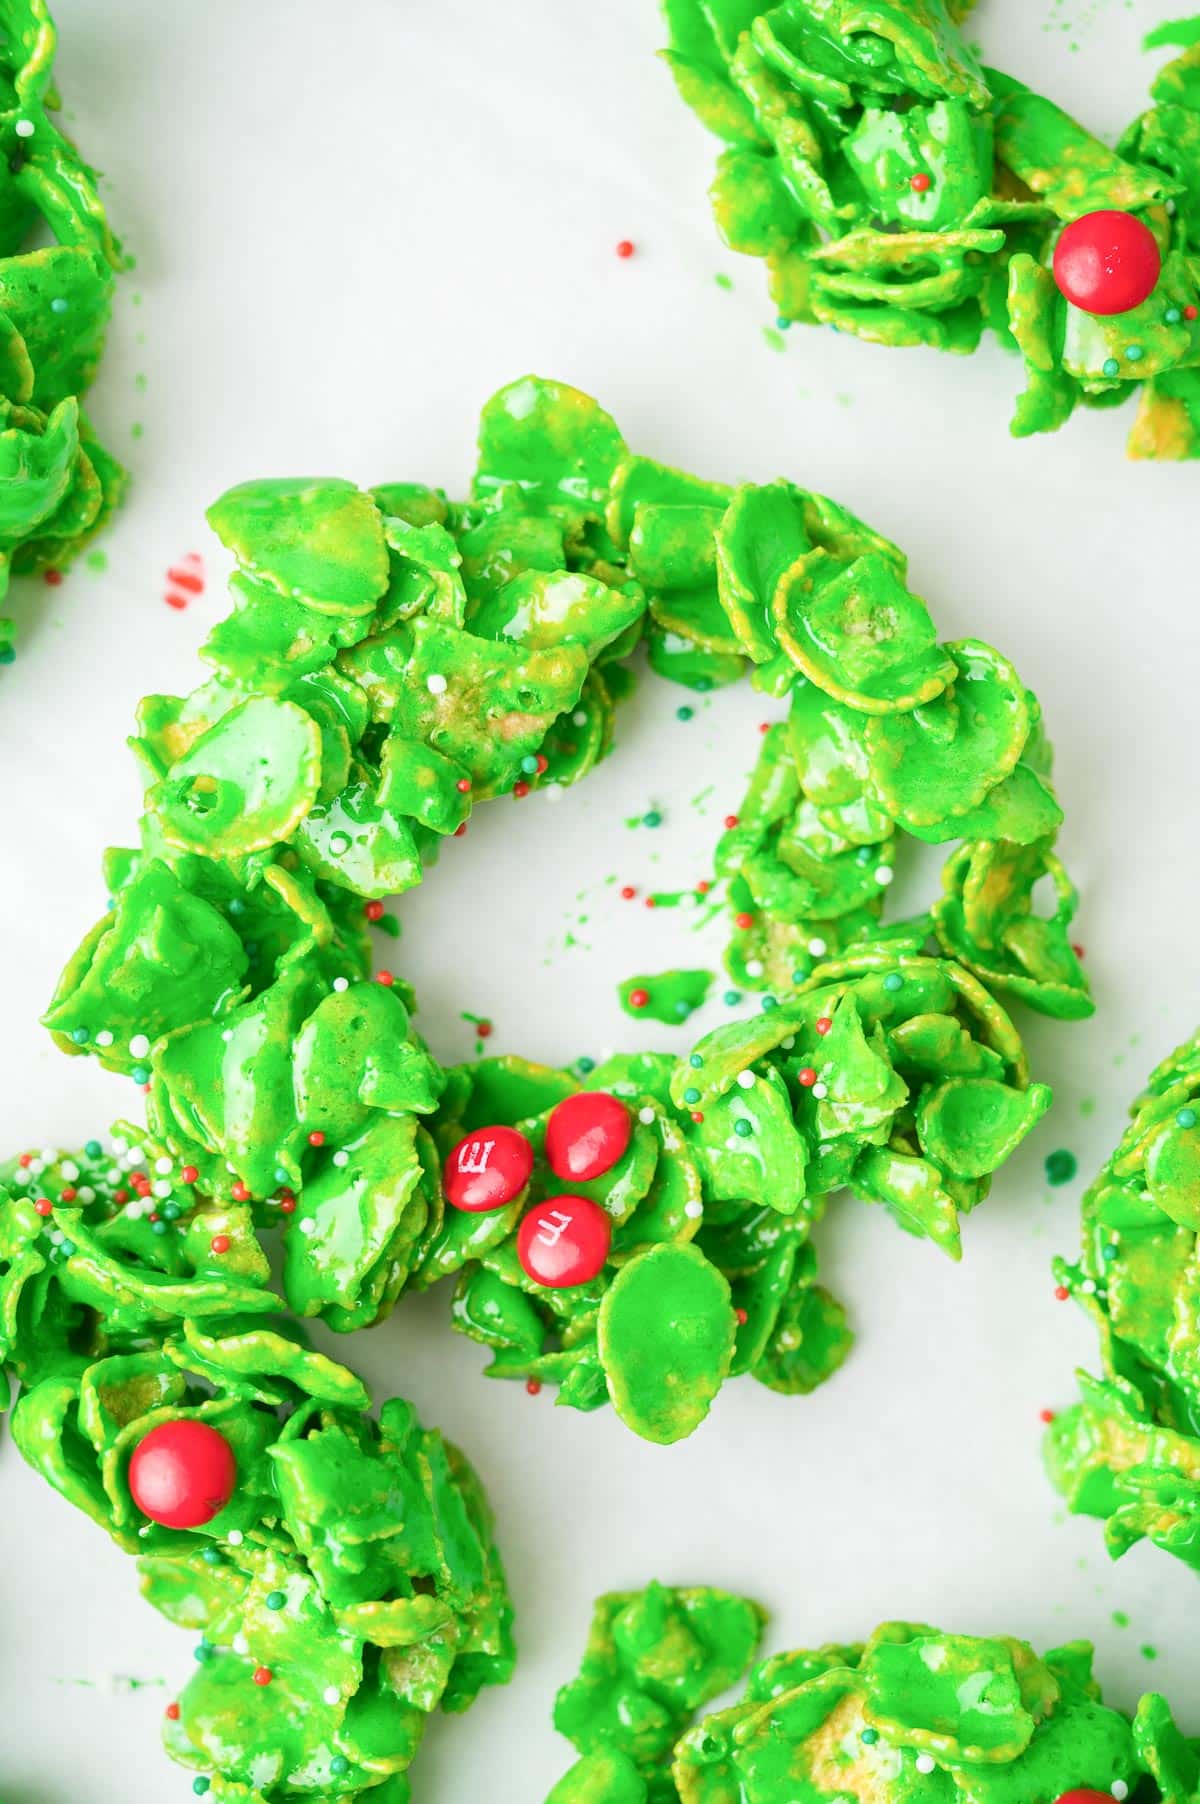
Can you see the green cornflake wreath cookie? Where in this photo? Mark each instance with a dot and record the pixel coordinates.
(1129, 1451)
(394, 658)
(57, 483)
(912, 1715)
(901, 192)
(338, 1570)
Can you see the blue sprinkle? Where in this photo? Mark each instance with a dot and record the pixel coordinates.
(694, 1059)
(893, 981)
(237, 906)
(211, 1556)
(1186, 1118)
(742, 1127)
(1135, 353)
(204, 1650)
(201, 1785)
(683, 1009)
(652, 818)
(1108, 1254)
(276, 1600)
(769, 1002)
(158, 1227)
(1172, 316)
(684, 713)
(80, 1035)
(93, 1149)
(702, 685)
(171, 1211)
(799, 976)
(59, 304)
(691, 1094)
(1111, 367)
(732, 998)
(869, 1737)
(529, 765)
(585, 1065)
(66, 1248)
(140, 1075)
(281, 1176)
(782, 323)
(339, 1765)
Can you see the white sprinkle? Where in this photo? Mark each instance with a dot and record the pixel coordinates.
(436, 683)
(139, 1046)
(24, 128)
(119, 1146)
(57, 1237)
(340, 984)
(69, 1170)
(818, 948)
(306, 1224)
(162, 1166)
(693, 1210)
(788, 1043)
(227, 1035)
(1119, 1789)
(49, 1154)
(820, 1091)
(553, 792)
(35, 1168)
(646, 1117)
(104, 1038)
(162, 1186)
(884, 874)
(341, 1157)
(240, 1645)
(1088, 1287)
(136, 1155)
(235, 1537)
(331, 1695)
(86, 1194)
(746, 1080)
(113, 1175)
(754, 967)
(925, 1763)
(339, 843)
(579, 718)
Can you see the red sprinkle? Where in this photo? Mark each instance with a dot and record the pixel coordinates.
(1078, 950)
(638, 998)
(189, 1174)
(373, 911)
(385, 978)
(742, 1317)
(1061, 1292)
(628, 892)
(1046, 1415)
(459, 831)
(1190, 312)
(543, 764)
(463, 786)
(52, 577)
(155, 1216)
(697, 1116)
(219, 1243)
(764, 726)
(534, 1386)
(24, 1160)
(807, 1076)
(316, 1138)
(703, 887)
(69, 1194)
(121, 1195)
(287, 1205)
(172, 1713)
(43, 1205)
(651, 901)
(921, 184)
(731, 820)
(625, 247)
(743, 920)
(483, 1029)
(240, 1193)
(521, 789)
(184, 580)
(824, 1024)
(263, 1675)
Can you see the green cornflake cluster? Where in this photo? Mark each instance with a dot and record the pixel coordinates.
(890, 1073)
(394, 658)
(57, 483)
(901, 192)
(654, 1659)
(350, 1586)
(1129, 1452)
(912, 1715)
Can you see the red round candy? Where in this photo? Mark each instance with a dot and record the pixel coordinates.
(182, 1473)
(488, 1169)
(564, 1241)
(587, 1134)
(1084, 1795)
(1107, 262)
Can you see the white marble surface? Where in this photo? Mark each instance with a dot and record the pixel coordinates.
(350, 227)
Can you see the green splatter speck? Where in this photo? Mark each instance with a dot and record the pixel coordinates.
(137, 429)
(1180, 32)
(774, 339)
(723, 281)
(672, 996)
(1121, 1618)
(1061, 1166)
(96, 560)
(1147, 1652)
(1087, 1106)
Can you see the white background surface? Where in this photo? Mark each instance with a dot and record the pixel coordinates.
(351, 225)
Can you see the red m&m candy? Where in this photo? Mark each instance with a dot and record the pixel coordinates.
(1085, 1796)
(182, 1473)
(587, 1134)
(1107, 262)
(564, 1241)
(487, 1169)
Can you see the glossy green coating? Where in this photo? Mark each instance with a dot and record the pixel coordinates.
(912, 1714)
(1129, 1451)
(672, 996)
(653, 1659)
(393, 658)
(354, 1562)
(58, 259)
(899, 191)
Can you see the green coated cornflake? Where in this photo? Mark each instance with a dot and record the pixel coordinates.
(666, 1335)
(898, 191)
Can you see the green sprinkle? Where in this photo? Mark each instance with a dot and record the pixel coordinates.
(276, 1600)
(1172, 316)
(684, 713)
(1061, 1166)
(691, 1094)
(1111, 367)
(743, 1127)
(652, 818)
(869, 1737)
(695, 1061)
(732, 998)
(1135, 353)
(1186, 1118)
